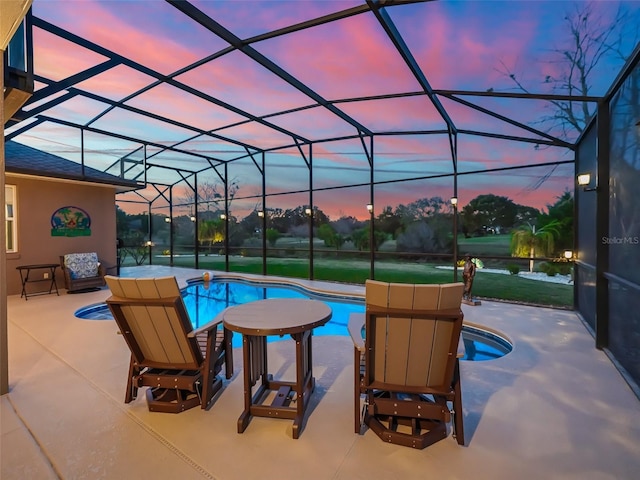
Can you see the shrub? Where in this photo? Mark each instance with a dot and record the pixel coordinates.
(513, 269)
(549, 268)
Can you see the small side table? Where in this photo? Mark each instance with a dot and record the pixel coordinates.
(278, 316)
(50, 276)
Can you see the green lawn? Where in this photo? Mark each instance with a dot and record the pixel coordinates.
(486, 285)
(491, 245)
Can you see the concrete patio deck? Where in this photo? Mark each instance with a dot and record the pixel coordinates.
(554, 408)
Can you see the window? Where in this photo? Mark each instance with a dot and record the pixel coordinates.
(10, 213)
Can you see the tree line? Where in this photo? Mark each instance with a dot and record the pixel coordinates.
(422, 226)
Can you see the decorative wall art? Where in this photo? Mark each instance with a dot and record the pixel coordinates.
(70, 222)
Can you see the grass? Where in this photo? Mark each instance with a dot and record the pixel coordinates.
(491, 245)
(486, 285)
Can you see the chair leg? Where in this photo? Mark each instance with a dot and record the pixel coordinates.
(132, 389)
(208, 371)
(356, 391)
(458, 422)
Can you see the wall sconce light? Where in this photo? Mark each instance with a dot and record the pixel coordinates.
(454, 201)
(149, 243)
(370, 207)
(568, 254)
(167, 219)
(308, 211)
(584, 179)
(261, 214)
(223, 216)
(193, 219)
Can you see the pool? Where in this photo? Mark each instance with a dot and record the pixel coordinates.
(205, 300)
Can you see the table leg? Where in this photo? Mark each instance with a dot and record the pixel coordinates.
(53, 281)
(24, 279)
(254, 357)
(305, 382)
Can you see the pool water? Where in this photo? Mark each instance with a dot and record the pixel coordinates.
(205, 300)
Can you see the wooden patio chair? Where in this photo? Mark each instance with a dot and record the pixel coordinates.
(406, 362)
(180, 365)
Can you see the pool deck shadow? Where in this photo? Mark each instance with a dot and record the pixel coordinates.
(555, 407)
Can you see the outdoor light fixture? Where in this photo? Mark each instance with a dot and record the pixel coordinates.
(454, 201)
(370, 207)
(167, 219)
(223, 216)
(568, 254)
(193, 219)
(584, 179)
(261, 214)
(308, 211)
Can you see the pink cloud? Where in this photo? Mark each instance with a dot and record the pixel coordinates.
(352, 57)
(141, 35)
(236, 79)
(57, 58)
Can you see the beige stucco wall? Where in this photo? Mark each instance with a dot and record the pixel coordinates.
(37, 200)
(11, 14)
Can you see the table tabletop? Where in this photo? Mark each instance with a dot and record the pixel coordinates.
(277, 316)
(36, 266)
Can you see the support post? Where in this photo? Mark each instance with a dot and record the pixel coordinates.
(4, 355)
(602, 227)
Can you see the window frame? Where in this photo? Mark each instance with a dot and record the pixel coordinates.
(11, 218)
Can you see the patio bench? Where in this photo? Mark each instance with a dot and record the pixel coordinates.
(82, 272)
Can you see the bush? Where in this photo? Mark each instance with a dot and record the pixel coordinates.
(549, 268)
(513, 269)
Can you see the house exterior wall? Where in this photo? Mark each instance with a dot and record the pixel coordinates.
(37, 200)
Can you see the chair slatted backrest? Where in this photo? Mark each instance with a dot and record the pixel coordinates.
(412, 334)
(152, 317)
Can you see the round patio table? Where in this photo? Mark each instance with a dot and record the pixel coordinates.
(278, 316)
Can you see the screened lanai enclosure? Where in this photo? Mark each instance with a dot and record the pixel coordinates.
(375, 134)
(337, 129)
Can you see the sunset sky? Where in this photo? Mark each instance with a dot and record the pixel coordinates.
(462, 45)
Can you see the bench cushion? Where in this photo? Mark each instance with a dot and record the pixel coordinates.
(82, 265)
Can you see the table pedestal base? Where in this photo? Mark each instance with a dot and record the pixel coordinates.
(291, 398)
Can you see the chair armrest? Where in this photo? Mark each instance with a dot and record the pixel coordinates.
(209, 326)
(355, 326)
(461, 350)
